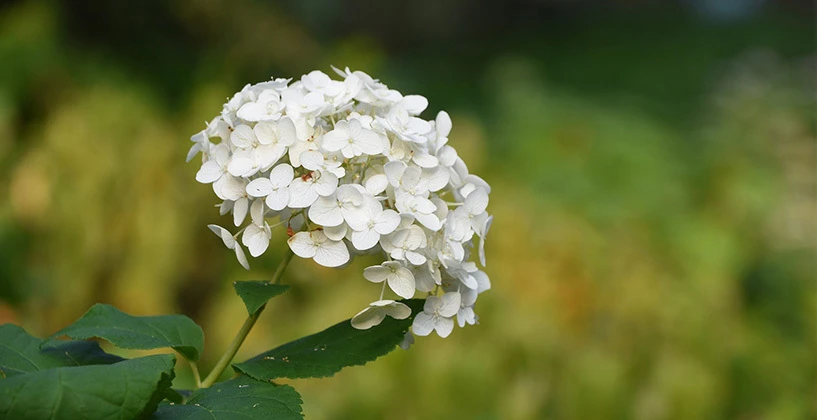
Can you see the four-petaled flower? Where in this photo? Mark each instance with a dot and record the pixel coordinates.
(437, 315)
(317, 246)
(352, 140)
(399, 278)
(275, 188)
(377, 312)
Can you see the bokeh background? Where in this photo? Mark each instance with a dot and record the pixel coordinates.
(654, 173)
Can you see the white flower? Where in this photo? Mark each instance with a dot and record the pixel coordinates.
(241, 206)
(231, 188)
(437, 315)
(350, 165)
(466, 315)
(230, 243)
(483, 282)
(304, 190)
(399, 278)
(274, 188)
(352, 140)
(336, 233)
(373, 222)
(317, 161)
(318, 81)
(375, 183)
(377, 312)
(201, 144)
(468, 217)
(341, 205)
(463, 271)
(483, 233)
(257, 235)
(268, 106)
(427, 275)
(213, 169)
(406, 127)
(404, 243)
(228, 112)
(260, 147)
(414, 104)
(303, 105)
(408, 340)
(421, 208)
(308, 141)
(443, 129)
(317, 246)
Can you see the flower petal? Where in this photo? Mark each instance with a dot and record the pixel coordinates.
(230, 188)
(301, 194)
(242, 259)
(266, 132)
(326, 184)
(224, 234)
(257, 212)
(326, 212)
(368, 318)
(398, 310)
(240, 209)
(483, 282)
(365, 239)
(476, 202)
(394, 172)
(312, 160)
(369, 142)
(423, 324)
(281, 175)
(336, 139)
(240, 166)
(376, 184)
(255, 239)
(414, 104)
(449, 304)
(335, 233)
(443, 124)
(332, 254)
(376, 273)
(242, 136)
(210, 171)
(259, 187)
(302, 245)
(287, 134)
(443, 326)
(386, 222)
(401, 282)
(278, 200)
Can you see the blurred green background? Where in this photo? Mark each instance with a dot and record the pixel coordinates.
(654, 173)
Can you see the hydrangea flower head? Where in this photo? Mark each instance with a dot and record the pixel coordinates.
(351, 167)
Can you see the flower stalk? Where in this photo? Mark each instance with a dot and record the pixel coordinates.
(229, 354)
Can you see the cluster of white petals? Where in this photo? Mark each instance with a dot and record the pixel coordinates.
(350, 167)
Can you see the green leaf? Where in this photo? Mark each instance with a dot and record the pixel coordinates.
(21, 353)
(125, 390)
(242, 398)
(327, 352)
(173, 395)
(138, 332)
(256, 293)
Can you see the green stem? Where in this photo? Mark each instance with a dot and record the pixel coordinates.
(228, 355)
(196, 375)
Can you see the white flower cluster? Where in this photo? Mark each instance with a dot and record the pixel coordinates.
(351, 168)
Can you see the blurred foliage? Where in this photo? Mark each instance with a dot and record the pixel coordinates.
(654, 175)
